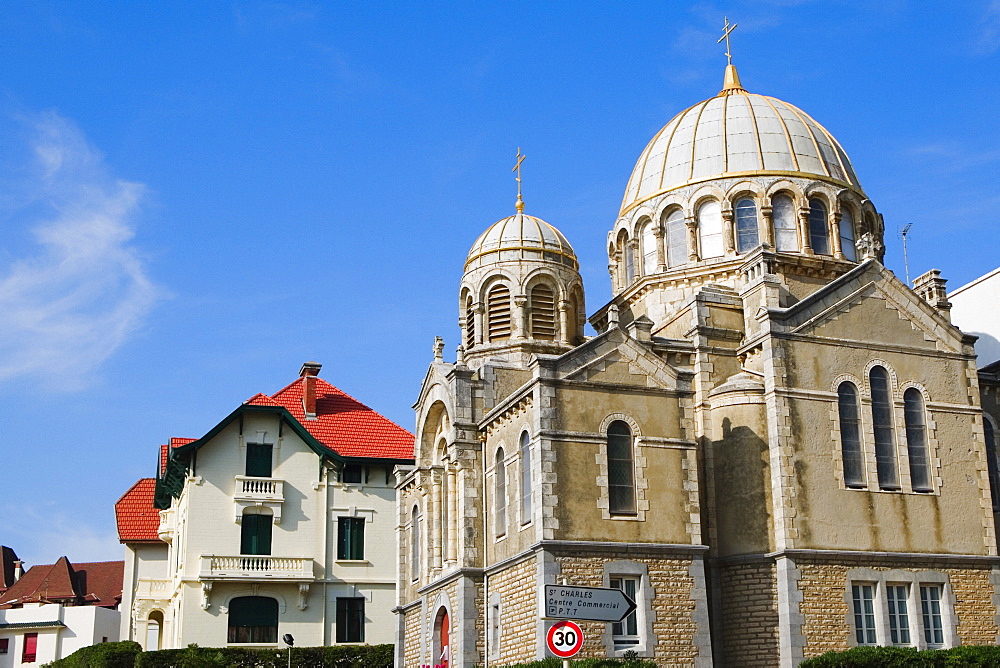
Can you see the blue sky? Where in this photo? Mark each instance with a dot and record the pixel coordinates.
(195, 198)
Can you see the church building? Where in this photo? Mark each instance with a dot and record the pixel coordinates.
(773, 444)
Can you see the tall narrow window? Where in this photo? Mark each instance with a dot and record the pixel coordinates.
(847, 246)
(747, 236)
(648, 249)
(864, 613)
(786, 237)
(498, 312)
(850, 435)
(930, 608)
(470, 323)
(253, 619)
(351, 538)
(259, 460)
(543, 313)
(500, 492)
(621, 477)
(710, 228)
(629, 261)
(899, 620)
(916, 440)
(676, 236)
(415, 543)
(885, 442)
(30, 650)
(350, 619)
(626, 632)
(992, 462)
(525, 478)
(255, 534)
(819, 228)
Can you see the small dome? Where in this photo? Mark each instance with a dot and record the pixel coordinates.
(733, 134)
(521, 237)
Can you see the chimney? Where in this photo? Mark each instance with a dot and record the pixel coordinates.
(930, 286)
(308, 374)
(18, 569)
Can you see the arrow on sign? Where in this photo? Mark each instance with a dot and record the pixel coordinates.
(595, 604)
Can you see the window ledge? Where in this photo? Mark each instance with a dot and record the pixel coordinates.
(352, 562)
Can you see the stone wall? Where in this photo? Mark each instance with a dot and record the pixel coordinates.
(749, 614)
(411, 640)
(518, 611)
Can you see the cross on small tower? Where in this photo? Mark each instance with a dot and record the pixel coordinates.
(726, 29)
(517, 168)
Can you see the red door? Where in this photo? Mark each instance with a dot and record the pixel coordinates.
(445, 657)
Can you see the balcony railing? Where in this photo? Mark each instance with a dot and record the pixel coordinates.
(259, 489)
(149, 588)
(259, 567)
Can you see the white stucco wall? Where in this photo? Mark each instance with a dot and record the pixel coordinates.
(84, 626)
(975, 309)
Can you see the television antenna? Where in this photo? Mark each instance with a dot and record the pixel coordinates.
(904, 234)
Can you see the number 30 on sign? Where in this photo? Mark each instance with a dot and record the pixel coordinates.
(564, 639)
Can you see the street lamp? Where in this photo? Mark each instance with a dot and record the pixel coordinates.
(289, 640)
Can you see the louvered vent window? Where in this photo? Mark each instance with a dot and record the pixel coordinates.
(543, 313)
(498, 310)
(470, 324)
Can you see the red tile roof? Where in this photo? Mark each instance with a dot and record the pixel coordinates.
(342, 423)
(138, 519)
(97, 584)
(178, 442)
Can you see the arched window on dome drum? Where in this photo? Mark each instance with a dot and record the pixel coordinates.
(916, 440)
(629, 262)
(992, 462)
(676, 237)
(499, 495)
(621, 477)
(498, 312)
(850, 435)
(847, 246)
(747, 236)
(819, 230)
(885, 442)
(710, 228)
(648, 249)
(470, 323)
(543, 313)
(786, 238)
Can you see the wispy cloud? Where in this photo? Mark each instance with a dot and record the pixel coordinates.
(952, 157)
(49, 534)
(988, 38)
(77, 288)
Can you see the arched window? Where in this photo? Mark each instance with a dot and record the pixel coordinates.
(747, 236)
(255, 532)
(621, 476)
(819, 230)
(648, 249)
(500, 494)
(992, 462)
(543, 313)
(710, 228)
(253, 619)
(154, 631)
(786, 238)
(847, 246)
(470, 323)
(916, 440)
(850, 435)
(629, 262)
(525, 478)
(676, 237)
(885, 443)
(498, 312)
(415, 543)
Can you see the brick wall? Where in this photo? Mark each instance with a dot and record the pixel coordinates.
(749, 614)
(411, 642)
(518, 611)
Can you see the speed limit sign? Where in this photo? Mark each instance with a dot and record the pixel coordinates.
(564, 639)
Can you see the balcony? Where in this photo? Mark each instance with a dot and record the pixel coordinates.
(147, 588)
(167, 527)
(256, 568)
(252, 491)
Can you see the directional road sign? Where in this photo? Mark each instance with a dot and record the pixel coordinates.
(564, 639)
(594, 604)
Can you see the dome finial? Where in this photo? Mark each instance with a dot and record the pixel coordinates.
(517, 168)
(731, 83)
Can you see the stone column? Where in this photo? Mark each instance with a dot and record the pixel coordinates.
(434, 537)
(767, 233)
(519, 318)
(835, 217)
(452, 534)
(661, 253)
(804, 232)
(564, 325)
(692, 231)
(728, 233)
(614, 270)
(633, 250)
(478, 311)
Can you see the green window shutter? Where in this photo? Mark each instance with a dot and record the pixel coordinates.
(259, 460)
(351, 538)
(255, 536)
(350, 620)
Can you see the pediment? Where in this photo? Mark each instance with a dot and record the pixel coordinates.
(617, 359)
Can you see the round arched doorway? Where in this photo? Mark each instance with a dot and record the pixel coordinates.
(442, 642)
